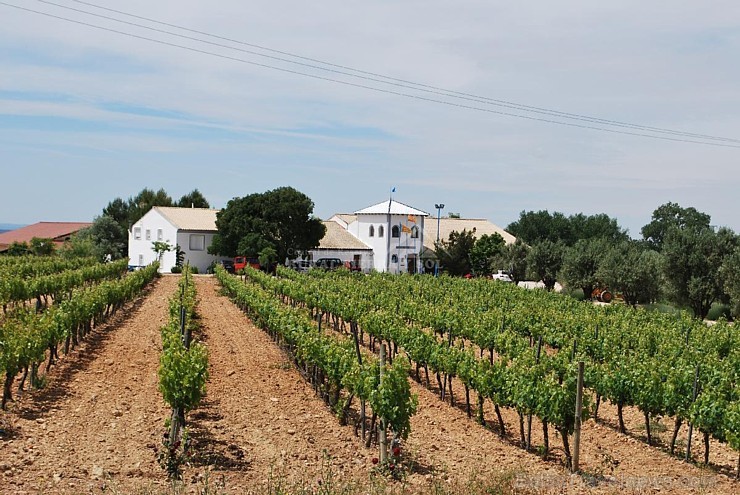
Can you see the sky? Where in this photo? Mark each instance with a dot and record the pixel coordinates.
(88, 114)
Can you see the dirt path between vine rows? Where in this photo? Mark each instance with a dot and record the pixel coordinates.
(94, 427)
(97, 420)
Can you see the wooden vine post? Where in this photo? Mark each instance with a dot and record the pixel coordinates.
(577, 426)
(691, 425)
(383, 436)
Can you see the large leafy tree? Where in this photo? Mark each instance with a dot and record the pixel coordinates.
(670, 216)
(544, 261)
(513, 259)
(533, 227)
(730, 276)
(280, 220)
(193, 199)
(693, 257)
(581, 264)
(485, 250)
(102, 239)
(536, 226)
(633, 270)
(454, 253)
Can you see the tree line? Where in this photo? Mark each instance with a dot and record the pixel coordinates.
(681, 257)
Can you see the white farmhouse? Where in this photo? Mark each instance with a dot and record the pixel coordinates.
(400, 238)
(192, 229)
(394, 231)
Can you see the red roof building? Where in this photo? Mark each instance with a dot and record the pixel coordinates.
(56, 231)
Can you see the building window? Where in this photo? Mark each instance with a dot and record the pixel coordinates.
(372, 231)
(395, 231)
(414, 232)
(159, 234)
(137, 233)
(148, 235)
(381, 231)
(394, 258)
(141, 259)
(197, 242)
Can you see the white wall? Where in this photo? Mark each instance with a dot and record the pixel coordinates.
(408, 245)
(140, 250)
(198, 258)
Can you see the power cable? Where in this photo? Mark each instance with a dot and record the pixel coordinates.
(435, 89)
(362, 86)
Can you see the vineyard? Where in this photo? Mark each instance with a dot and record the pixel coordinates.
(119, 381)
(518, 349)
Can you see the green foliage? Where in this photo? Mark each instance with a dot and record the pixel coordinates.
(693, 258)
(671, 216)
(634, 271)
(513, 259)
(193, 199)
(41, 246)
(267, 256)
(454, 253)
(281, 219)
(581, 264)
(18, 249)
(729, 276)
(544, 261)
(161, 247)
(533, 227)
(106, 236)
(486, 249)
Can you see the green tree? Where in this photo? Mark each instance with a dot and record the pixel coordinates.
(513, 259)
(544, 261)
(160, 248)
(18, 248)
(41, 246)
(633, 270)
(193, 199)
(485, 250)
(533, 227)
(730, 276)
(693, 257)
(454, 253)
(107, 236)
(669, 216)
(581, 264)
(281, 218)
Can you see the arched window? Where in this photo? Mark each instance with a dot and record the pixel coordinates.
(381, 231)
(414, 232)
(372, 231)
(395, 232)
(394, 258)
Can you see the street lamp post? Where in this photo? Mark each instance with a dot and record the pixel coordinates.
(439, 207)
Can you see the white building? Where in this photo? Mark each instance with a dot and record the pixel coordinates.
(394, 231)
(401, 238)
(338, 243)
(192, 229)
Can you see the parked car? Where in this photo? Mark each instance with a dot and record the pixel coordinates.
(329, 263)
(228, 265)
(502, 276)
(301, 265)
(240, 262)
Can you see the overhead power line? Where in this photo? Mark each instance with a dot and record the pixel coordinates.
(386, 79)
(680, 136)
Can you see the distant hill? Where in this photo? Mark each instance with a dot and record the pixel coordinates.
(4, 227)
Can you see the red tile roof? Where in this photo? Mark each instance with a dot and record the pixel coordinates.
(59, 231)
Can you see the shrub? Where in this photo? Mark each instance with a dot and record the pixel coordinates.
(176, 269)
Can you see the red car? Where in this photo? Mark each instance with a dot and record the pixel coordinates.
(240, 262)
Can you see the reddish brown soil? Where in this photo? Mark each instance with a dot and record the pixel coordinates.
(95, 425)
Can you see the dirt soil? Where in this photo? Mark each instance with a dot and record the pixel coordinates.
(95, 426)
